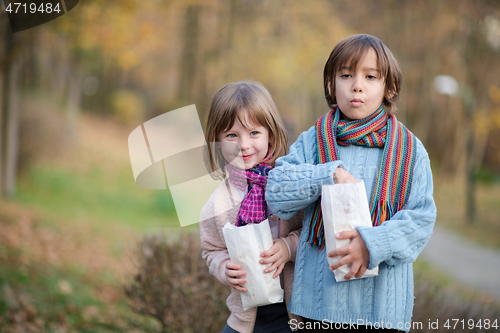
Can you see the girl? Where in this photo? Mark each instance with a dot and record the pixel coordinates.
(246, 134)
(359, 138)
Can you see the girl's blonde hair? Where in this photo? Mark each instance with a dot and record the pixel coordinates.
(228, 104)
(348, 52)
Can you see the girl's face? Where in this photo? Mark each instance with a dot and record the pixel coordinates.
(245, 147)
(360, 93)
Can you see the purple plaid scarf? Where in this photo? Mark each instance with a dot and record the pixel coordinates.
(253, 208)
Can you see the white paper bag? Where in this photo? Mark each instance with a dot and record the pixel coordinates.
(245, 244)
(344, 207)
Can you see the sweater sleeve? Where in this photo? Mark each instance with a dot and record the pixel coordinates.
(292, 242)
(296, 180)
(403, 237)
(292, 239)
(214, 248)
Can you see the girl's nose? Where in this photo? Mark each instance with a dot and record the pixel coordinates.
(244, 144)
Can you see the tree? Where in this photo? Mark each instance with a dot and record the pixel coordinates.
(10, 71)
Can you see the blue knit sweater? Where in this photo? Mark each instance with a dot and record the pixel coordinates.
(385, 300)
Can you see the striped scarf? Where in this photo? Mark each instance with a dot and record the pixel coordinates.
(392, 187)
(252, 182)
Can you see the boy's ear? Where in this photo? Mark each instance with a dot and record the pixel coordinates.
(334, 98)
(391, 92)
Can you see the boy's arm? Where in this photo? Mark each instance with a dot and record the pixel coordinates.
(402, 238)
(296, 180)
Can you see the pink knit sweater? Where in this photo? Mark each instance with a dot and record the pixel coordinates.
(220, 209)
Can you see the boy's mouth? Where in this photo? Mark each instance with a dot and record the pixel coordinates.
(356, 102)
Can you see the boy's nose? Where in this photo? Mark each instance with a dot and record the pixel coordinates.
(356, 86)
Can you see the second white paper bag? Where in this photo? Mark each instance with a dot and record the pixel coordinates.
(245, 244)
(344, 207)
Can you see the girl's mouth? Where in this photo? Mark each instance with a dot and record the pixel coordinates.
(246, 157)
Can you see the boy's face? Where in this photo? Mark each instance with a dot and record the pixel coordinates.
(360, 93)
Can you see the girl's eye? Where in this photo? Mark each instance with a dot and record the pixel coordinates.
(231, 135)
(254, 133)
(371, 77)
(345, 76)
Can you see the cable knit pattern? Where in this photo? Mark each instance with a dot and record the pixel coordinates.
(214, 215)
(294, 184)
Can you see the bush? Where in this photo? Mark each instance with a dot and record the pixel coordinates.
(438, 301)
(174, 287)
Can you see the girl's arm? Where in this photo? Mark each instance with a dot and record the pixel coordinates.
(292, 240)
(284, 249)
(214, 248)
(216, 254)
(296, 181)
(403, 237)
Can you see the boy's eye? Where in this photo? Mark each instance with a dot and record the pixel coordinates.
(345, 76)
(371, 77)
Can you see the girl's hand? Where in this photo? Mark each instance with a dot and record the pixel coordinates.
(341, 176)
(278, 255)
(356, 253)
(235, 277)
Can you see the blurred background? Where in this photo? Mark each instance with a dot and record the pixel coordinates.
(83, 249)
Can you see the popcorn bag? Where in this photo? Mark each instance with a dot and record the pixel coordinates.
(344, 207)
(245, 244)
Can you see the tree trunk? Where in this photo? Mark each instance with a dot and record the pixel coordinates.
(74, 99)
(12, 133)
(472, 61)
(188, 61)
(3, 74)
(9, 116)
(471, 163)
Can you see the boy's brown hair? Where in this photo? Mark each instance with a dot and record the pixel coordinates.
(348, 52)
(228, 104)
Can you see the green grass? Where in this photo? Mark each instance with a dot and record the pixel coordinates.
(96, 196)
(450, 201)
(45, 296)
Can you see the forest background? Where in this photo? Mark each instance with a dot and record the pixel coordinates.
(71, 216)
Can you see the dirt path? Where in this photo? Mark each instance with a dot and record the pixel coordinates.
(468, 263)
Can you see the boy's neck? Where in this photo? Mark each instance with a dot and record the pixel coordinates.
(343, 117)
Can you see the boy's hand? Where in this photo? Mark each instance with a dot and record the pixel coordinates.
(235, 277)
(341, 176)
(356, 253)
(278, 255)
